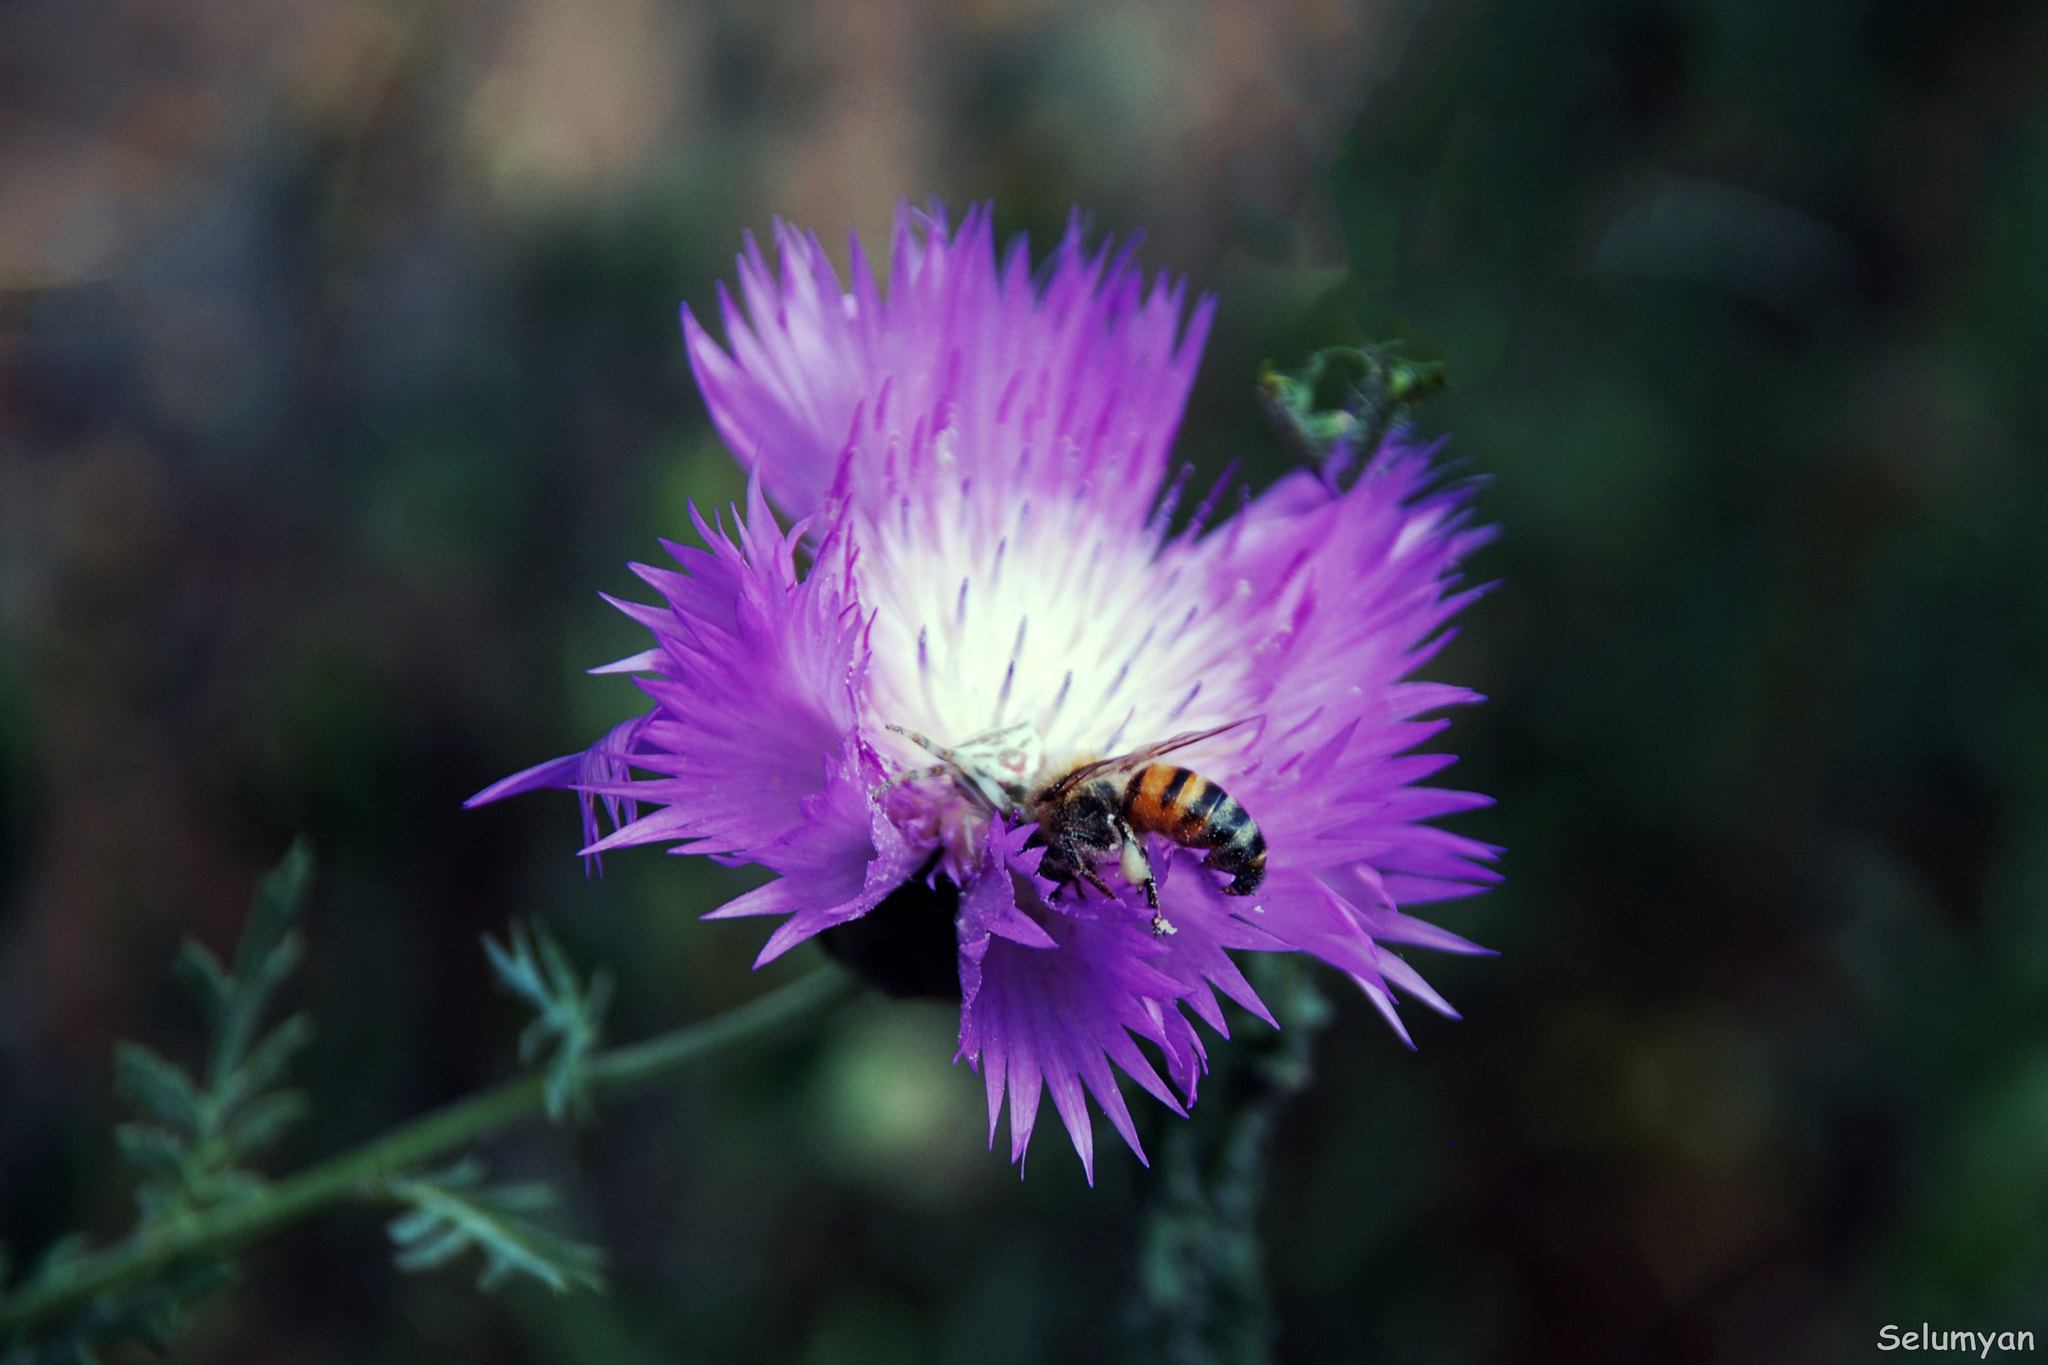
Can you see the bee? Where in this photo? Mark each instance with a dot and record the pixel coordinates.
(1095, 811)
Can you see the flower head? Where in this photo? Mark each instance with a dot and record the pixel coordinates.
(1002, 688)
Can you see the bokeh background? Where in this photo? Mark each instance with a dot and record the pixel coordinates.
(339, 370)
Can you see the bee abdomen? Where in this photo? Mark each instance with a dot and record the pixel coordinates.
(1196, 813)
(1235, 846)
(1153, 798)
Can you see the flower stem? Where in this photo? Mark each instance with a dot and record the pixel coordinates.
(147, 1256)
(1201, 1293)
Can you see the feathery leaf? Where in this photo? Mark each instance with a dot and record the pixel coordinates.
(568, 1014)
(453, 1211)
(160, 1088)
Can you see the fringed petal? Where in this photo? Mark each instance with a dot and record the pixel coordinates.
(1052, 1019)
(755, 688)
(1090, 362)
(836, 865)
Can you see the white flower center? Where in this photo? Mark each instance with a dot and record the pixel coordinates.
(1053, 616)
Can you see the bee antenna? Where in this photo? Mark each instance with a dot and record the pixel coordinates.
(915, 775)
(929, 746)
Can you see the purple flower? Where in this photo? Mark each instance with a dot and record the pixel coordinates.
(976, 464)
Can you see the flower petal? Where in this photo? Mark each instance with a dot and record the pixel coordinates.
(1054, 1020)
(1088, 362)
(756, 686)
(837, 864)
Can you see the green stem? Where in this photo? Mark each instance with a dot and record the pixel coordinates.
(360, 1174)
(1201, 1295)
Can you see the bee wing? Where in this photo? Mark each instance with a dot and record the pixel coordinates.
(1138, 758)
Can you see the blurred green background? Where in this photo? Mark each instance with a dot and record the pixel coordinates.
(339, 370)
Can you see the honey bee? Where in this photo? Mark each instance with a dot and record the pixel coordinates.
(1094, 811)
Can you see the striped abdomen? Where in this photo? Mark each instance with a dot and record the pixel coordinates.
(1194, 812)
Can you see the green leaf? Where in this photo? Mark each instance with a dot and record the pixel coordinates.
(569, 1015)
(263, 1121)
(262, 1068)
(206, 979)
(160, 1088)
(274, 908)
(190, 1152)
(193, 1135)
(227, 1185)
(452, 1212)
(266, 955)
(150, 1314)
(153, 1150)
(59, 1253)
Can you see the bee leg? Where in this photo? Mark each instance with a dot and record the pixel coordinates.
(1137, 868)
(1094, 879)
(1134, 853)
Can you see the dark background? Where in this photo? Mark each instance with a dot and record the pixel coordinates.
(339, 371)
